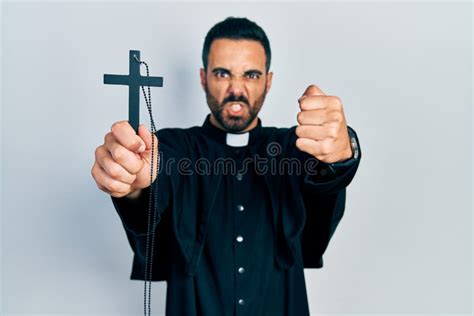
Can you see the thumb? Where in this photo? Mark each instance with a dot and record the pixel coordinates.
(145, 135)
(310, 91)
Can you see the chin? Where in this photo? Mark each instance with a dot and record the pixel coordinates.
(234, 123)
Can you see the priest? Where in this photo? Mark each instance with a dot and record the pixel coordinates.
(243, 208)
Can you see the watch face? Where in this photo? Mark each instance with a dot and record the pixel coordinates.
(355, 148)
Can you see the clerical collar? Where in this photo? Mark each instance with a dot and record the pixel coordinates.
(232, 139)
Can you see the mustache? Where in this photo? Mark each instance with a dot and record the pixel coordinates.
(234, 98)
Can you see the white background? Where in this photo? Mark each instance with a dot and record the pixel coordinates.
(402, 70)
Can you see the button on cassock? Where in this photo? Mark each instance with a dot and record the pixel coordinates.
(241, 270)
(239, 238)
(239, 176)
(240, 208)
(241, 302)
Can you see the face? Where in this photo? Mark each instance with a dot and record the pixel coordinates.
(235, 83)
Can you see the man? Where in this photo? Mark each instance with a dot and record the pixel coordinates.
(234, 242)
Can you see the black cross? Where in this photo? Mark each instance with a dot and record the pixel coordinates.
(134, 80)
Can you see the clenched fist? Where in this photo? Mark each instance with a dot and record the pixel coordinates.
(323, 130)
(122, 163)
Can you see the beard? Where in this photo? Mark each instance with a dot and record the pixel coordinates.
(230, 122)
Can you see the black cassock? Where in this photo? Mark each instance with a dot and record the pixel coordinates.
(238, 224)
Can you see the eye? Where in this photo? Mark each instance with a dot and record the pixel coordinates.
(221, 74)
(253, 75)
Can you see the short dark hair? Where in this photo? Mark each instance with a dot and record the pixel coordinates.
(238, 29)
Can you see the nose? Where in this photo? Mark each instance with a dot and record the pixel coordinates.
(236, 86)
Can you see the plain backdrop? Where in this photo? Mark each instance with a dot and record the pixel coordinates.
(402, 70)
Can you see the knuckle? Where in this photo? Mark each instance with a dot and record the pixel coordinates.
(93, 172)
(336, 101)
(114, 171)
(135, 168)
(115, 126)
(303, 104)
(299, 117)
(98, 152)
(108, 137)
(119, 153)
(325, 148)
(134, 143)
(124, 189)
(299, 144)
(299, 131)
(333, 117)
(114, 187)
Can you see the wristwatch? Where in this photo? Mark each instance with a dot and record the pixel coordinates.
(336, 166)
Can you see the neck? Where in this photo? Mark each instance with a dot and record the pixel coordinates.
(216, 123)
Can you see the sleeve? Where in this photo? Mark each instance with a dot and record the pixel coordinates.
(324, 197)
(134, 213)
(331, 177)
(135, 217)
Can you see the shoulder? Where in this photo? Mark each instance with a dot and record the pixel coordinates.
(176, 133)
(177, 140)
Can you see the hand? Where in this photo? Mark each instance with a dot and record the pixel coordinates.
(122, 163)
(323, 130)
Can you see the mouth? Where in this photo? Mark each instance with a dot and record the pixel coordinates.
(235, 108)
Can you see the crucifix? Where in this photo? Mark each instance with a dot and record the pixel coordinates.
(134, 80)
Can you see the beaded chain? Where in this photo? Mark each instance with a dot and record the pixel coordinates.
(150, 244)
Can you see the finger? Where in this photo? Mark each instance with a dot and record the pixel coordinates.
(313, 103)
(313, 117)
(307, 145)
(112, 168)
(131, 161)
(316, 102)
(108, 184)
(313, 90)
(316, 132)
(126, 136)
(97, 177)
(145, 135)
(313, 147)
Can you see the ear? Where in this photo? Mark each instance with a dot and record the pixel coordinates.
(269, 80)
(202, 74)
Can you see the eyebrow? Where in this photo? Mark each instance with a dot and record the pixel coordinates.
(228, 71)
(220, 69)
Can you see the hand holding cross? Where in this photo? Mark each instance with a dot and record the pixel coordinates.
(123, 163)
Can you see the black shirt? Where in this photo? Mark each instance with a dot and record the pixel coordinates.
(237, 259)
(237, 269)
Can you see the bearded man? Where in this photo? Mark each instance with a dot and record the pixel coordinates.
(243, 208)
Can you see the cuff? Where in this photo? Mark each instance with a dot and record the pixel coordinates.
(134, 213)
(342, 166)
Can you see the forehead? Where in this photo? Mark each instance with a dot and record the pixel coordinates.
(236, 54)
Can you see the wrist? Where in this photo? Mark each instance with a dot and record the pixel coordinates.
(348, 154)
